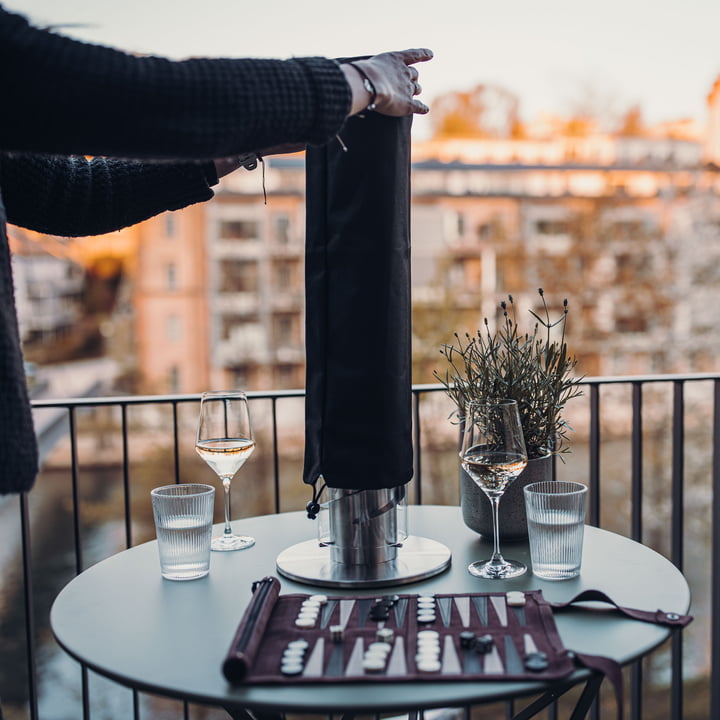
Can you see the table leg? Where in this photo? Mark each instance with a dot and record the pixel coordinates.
(245, 714)
(588, 696)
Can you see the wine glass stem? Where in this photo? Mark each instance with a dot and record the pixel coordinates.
(497, 558)
(226, 488)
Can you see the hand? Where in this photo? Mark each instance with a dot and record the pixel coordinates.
(394, 79)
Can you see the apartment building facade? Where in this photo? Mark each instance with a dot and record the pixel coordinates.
(626, 227)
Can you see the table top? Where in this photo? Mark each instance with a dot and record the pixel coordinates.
(125, 622)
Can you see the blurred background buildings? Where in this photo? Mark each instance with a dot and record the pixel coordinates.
(625, 223)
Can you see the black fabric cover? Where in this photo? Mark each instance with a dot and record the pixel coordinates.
(358, 325)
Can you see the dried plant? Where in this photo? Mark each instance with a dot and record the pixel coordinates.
(532, 368)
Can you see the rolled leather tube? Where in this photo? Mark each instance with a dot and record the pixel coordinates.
(358, 407)
(244, 646)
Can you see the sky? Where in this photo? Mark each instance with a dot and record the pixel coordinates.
(554, 55)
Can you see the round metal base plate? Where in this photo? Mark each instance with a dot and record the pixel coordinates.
(418, 558)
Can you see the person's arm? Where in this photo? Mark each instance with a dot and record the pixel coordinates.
(74, 196)
(385, 83)
(71, 98)
(62, 96)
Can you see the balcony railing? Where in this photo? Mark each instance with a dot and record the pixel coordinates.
(646, 446)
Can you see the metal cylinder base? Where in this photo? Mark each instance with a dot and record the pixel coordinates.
(417, 558)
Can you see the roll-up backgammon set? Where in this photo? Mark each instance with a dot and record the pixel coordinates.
(310, 638)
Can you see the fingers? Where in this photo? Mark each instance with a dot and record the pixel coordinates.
(409, 57)
(420, 108)
(394, 80)
(416, 55)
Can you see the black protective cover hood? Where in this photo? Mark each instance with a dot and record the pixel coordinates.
(358, 322)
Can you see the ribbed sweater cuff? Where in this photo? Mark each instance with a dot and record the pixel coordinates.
(333, 96)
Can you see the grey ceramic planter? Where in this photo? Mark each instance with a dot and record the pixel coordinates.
(476, 509)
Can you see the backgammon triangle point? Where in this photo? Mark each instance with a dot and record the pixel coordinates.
(355, 663)
(450, 660)
(397, 665)
(314, 665)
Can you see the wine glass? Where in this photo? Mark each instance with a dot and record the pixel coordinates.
(493, 454)
(225, 441)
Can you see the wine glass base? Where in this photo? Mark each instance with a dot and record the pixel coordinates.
(225, 543)
(497, 570)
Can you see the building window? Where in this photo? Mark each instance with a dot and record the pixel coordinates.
(283, 276)
(484, 231)
(286, 376)
(284, 331)
(240, 377)
(171, 276)
(282, 229)
(170, 225)
(631, 324)
(174, 379)
(552, 227)
(239, 276)
(627, 229)
(239, 230)
(172, 328)
(228, 323)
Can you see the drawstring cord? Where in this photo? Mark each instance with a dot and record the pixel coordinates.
(262, 162)
(313, 507)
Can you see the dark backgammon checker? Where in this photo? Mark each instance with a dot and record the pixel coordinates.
(311, 638)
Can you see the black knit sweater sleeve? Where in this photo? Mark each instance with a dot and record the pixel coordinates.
(75, 196)
(65, 97)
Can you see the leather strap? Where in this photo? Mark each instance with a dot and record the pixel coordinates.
(601, 666)
(658, 617)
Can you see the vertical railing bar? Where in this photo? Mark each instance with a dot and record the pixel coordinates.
(637, 464)
(678, 461)
(77, 540)
(29, 605)
(75, 491)
(176, 441)
(85, 692)
(417, 439)
(186, 710)
(678, 432)
(594, 470)
(136, 705)
(636, 512)
(126, 475)
(595, 481)
(128, 513)
(276, 455)
(715, 561)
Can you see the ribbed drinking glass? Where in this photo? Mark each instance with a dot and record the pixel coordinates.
(555, 512)
(183, 522)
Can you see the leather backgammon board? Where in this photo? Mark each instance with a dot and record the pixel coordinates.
(316, 638)
(299, 638)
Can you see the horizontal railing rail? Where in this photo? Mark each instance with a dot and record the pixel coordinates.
(661, 427)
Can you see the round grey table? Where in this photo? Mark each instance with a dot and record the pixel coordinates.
(125, 622)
